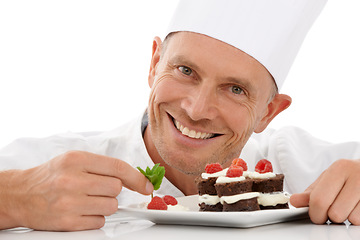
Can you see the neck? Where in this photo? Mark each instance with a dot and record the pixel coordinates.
(184, 182)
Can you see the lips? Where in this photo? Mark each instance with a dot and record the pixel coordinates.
(192, 133)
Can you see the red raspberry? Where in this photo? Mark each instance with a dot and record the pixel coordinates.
(263, 166)
(234, 171)
(240, 162)
(170, 200)
(213, 168)
(157, 203)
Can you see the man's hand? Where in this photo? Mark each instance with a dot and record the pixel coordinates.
(73, 191)
(335, 195)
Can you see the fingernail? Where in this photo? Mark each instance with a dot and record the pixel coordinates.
(149, 187)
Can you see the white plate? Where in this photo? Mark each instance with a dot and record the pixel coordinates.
(220, 219)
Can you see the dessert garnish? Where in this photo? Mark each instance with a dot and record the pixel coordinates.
(234, 171)
(263, 166)
(157, 203)
(213, 168)
(170, 200)
(155, 175)
(240, 162)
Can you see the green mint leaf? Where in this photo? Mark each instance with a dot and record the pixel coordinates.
(155, 175)
(142, 171)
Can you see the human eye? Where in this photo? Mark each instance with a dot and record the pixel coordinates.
(236, 90)
(185, 70)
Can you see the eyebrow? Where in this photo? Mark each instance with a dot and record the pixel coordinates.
(242, 82)
(180, 59)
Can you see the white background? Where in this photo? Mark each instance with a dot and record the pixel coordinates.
(82, 66)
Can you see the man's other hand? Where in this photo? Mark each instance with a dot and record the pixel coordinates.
(335, 195)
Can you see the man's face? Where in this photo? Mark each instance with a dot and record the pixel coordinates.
(206, 99)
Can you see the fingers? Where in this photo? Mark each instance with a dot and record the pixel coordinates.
(102, 206)
(98, 185)
(335, 195)
(76, 223)
(300, 199)
(112, 167)
(132, 178)
(345, 202)
(354, 216)
(89, 223)
(322, 197)
(82, 205)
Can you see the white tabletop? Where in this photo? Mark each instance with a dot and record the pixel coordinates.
(139, 229)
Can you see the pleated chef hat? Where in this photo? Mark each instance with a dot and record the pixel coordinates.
(271, 31)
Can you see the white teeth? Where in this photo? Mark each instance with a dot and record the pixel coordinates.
(202, 136)
(192, 133)
(198, 135)
(185, 131)
(177, 124)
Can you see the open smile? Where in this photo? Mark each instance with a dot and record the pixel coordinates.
(193, 133)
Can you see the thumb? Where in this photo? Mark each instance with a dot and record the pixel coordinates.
(139, 183)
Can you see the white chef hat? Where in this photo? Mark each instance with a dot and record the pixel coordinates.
(271, 31)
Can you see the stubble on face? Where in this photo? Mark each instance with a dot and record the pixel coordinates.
(224, 154)
(164, 106)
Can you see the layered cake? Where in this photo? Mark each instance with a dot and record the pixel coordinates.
(237, 189)
(270, 187)
(208, 198)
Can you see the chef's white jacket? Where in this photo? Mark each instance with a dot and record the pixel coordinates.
(292, 151)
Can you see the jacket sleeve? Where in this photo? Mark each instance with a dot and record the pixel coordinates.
(29, 152)
(302, 157)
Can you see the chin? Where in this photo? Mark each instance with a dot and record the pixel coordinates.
(191, 165)
(185, 165)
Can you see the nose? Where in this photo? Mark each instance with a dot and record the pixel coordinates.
(201, 103)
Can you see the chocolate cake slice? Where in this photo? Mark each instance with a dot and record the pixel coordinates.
(208, 198)
(271, 192)
(237, 195)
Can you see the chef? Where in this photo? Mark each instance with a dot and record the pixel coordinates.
(215, 82)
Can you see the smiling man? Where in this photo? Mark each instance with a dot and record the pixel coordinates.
(214, 81)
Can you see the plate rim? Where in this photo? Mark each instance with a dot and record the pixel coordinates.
(206, 218)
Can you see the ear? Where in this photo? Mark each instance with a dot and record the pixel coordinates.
(155, 58)
(279, 103)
